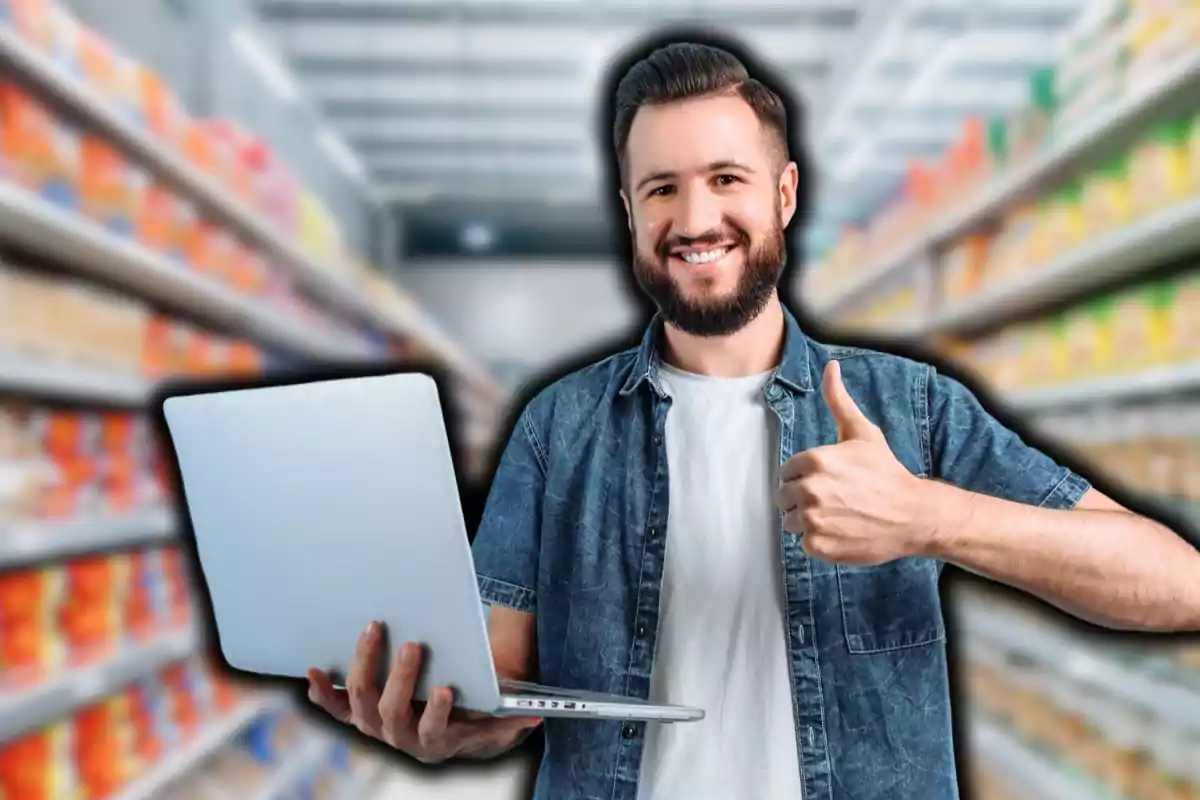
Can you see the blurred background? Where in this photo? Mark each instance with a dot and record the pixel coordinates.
(200, 187)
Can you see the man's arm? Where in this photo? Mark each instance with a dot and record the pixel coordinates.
(992, 505)
(1099, 561)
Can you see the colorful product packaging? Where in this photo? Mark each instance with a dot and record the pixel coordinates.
(103, 750)
(90, 613)
(161, 110)
(40, 153)
(1160, 171)
(107, 188)
(29, 646)
(39, 765)
(1184, 313)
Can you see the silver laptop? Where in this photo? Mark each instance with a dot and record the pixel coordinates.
(321, 506)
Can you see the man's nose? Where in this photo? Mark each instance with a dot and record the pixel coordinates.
(699, 213)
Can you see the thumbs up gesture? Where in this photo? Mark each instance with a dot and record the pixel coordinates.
(853, 502)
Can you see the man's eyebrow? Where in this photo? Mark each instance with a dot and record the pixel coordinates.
(713, 166)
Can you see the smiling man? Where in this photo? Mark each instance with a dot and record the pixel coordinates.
(736, 516)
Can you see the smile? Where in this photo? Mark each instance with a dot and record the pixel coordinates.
(697, 257)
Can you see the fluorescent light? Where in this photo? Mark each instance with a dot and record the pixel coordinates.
(478, 237)
(251, 49)
(338, 151)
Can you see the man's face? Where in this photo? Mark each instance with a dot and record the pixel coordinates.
(707, 207)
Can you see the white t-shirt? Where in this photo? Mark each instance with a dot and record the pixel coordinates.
(721, 641)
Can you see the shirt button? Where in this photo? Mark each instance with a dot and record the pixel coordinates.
(773, 392)
(653, 532)
(628, 731)
(641, 629)
(657, 440)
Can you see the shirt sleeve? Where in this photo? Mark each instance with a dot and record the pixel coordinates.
(971, 449)
(505, 547)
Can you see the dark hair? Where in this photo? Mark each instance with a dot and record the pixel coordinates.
(687, 70)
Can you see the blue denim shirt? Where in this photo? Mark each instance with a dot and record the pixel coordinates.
(575, 532)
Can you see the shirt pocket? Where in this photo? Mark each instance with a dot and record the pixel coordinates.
(891, 606)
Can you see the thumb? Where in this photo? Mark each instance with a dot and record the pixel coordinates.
(851, 421)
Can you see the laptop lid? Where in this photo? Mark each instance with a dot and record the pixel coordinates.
(318, 507)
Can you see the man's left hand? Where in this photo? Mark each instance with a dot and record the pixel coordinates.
(853, 502)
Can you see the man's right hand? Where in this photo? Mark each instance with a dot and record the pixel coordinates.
(426, 731)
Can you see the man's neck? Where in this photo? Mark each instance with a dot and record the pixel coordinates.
(752, 350)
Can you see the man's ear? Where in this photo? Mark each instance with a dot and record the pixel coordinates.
(628, 212)
(789, 181)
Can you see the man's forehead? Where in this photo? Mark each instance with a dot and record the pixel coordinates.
(691, 134)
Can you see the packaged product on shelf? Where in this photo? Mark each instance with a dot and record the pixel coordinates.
(1184, 310)
(97, 63)
(1107, 201)
(964, 267)
(105, 187)
(1131, 330)
(1193, 157)
(244, 358)
(157, 227)
(1124, 760)
(1157, 39)
(1160, 171)
(161, 110)
(102, 746)
(172, 592)
(39, 765)
(224, 255)
(204, 248)
(89, 616)
(40, 153)
(30, 649)
(146, 745)
(1189, 433)
(180, 696)
(233, 146)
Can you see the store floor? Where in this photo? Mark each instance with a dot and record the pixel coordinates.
(506, 781)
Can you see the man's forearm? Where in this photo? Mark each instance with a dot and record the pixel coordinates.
(1113, 568)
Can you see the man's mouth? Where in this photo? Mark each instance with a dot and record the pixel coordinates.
(702, 255)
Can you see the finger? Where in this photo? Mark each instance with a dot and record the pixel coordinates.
(396, 702)
(794, 494)
(322, 692)
(798, 466)
(431, 730)
(852, 423)
(360, 681)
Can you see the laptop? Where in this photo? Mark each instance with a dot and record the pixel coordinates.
(318, 507)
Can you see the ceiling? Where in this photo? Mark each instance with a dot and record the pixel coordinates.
(477, 118)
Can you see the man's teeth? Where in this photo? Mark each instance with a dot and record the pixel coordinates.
(705, 257)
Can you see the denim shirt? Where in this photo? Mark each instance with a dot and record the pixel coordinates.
(575, 532)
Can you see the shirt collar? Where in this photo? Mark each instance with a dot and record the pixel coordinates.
(792, 371)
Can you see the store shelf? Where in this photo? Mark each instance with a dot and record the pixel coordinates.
(1171, 379)
(25, 710)
(337, 291)
(1092, 135)
(178, 765)
(45, 540)
(49, 78)
(1143, 245)
(310, 755)
(1023, 768)
(66, 238)
(29, 374)
(1083, 663)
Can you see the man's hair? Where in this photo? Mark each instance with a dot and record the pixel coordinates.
(688, 70)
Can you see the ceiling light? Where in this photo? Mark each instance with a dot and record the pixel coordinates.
(340, 153)
(478, 237)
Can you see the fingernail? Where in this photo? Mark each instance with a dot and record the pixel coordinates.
(372, 629)
(408, 654)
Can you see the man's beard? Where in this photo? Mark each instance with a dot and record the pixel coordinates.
(719, 316)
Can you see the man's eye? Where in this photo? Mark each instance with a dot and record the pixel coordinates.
(725, 180)
(660, 191)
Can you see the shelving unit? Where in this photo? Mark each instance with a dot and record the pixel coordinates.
(1035, 777)
(21, 373)
(50, 232)
(48, 540)
(26, 709)
(1096, 133)
(38, 233)
(180, 763)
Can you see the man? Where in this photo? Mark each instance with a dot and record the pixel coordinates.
(738, 517)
